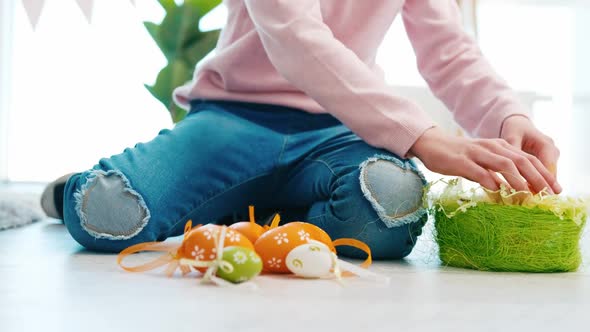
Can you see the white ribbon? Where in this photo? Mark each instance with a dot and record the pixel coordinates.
(362, 273)
(210, 273)
(338, 266)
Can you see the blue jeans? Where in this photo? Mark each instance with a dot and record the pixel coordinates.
(225, 156)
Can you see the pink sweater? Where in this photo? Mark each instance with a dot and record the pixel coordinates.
(319, 56)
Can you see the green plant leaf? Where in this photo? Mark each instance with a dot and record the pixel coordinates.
(183, 44)
(173, 75)
(181, 26)
(168, 5)
(199, 48)
(176, 27)
(177, 113)
(204, 6)
(154, 31)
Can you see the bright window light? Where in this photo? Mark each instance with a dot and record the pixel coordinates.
(78, 91)
(78, 94)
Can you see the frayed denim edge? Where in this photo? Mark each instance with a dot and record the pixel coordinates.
(79, 198)
(391, 222)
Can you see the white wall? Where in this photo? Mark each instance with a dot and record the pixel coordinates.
(581, 87)
(581, 94)
(77, 88)
(582, 54)
(6, 16)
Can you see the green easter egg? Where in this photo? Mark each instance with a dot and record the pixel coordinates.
(245, 262)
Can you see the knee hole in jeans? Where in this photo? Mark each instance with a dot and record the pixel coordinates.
(394, 188)
(109, 208)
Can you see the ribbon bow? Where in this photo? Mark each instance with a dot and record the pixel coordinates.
(171, 257)
(214, 265)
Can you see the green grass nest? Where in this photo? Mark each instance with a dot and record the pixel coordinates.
(507, 230)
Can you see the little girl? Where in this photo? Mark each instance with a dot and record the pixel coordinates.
(293, 115)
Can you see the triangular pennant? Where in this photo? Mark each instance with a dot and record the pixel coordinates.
(87, 6)
(33, 8)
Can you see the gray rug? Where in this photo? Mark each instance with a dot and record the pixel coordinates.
(18, 209)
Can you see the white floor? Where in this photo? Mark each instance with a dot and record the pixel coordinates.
(49, 283)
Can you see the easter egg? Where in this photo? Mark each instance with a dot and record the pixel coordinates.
(317, 234)
(200, 242)
(245, 264)
(274, 245)
(249, 229)
(310, 260)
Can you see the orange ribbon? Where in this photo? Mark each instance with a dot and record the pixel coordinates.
(251, 214)
(276, 220)
(172, 256)
(356, 244)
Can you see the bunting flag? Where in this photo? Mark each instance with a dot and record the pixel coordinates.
(87, 6)
(33, 8)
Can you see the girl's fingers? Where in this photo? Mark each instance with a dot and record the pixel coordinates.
(515, 141)
(547, 174)
(548, 155)
(476, 173)
(553, 169)
(502, 165)
(531, 169)
(547, 178)
(498, 180)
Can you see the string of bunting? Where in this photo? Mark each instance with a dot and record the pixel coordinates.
(34, 9)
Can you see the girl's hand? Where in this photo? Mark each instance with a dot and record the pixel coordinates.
(480, 159)
(520, 132)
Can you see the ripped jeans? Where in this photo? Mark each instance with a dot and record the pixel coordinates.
(225, 156)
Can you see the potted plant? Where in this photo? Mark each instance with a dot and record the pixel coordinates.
(184, 44)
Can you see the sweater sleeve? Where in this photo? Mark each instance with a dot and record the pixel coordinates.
(455, 69)
(304, 50)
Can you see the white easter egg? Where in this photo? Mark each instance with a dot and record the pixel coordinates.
(310, 260)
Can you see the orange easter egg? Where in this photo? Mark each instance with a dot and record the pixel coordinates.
(200, 242)
(318, 234)
(274, 245)
(249, 229)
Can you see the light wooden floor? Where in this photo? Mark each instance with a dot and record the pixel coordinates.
(48, 283)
